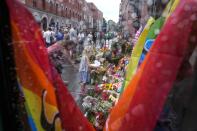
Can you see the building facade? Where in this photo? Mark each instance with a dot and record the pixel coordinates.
(57, 13)
(133, 14)
(100, 20)
(88, 16)
(111, 26)
(97, 17)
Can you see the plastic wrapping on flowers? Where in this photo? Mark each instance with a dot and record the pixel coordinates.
(104, 95)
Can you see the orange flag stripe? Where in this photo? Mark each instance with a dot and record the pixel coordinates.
(37, 81)
(119, 111)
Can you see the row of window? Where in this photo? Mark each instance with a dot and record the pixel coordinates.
(58, 9)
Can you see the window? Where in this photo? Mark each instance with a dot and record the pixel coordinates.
(34, 3)
(62, 11)
(43, 4)
(66, 12)
(51, 6)
(56, 9)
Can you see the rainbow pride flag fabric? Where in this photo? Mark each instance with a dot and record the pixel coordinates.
(137, 51)
(144, 44)
(49, 104)
(141, 103)
(51, 107)
(151, 36)
(156, 28)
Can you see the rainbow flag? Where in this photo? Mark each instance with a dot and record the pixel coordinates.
(152, 35)
(51, 107)
(137, 51)
(156, 28)
(12, 112)
(49, 104)
(118, 112)
(137, 58)
(158, 72)
(170, 8)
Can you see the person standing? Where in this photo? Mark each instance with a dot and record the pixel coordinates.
(94, 34)
(48, 36)
(73, 35)
(90, 36)
(66, 35)
(59, 35)
(81, 38)
(73, 38)
(84, 69)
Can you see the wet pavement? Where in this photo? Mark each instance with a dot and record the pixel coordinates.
(70, 74)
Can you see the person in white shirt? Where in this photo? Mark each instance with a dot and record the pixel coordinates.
(73, 35)
(49, 37)
(90, 36)
(81, 36)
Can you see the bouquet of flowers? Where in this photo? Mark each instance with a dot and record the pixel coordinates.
(96, 110)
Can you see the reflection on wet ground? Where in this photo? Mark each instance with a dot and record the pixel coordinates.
(70, 74)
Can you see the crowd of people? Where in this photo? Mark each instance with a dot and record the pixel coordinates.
(65, 41)
(101, 60)
(154, 72)
(69, 43)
